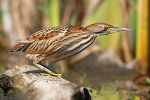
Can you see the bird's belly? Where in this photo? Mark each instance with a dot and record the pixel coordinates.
(73, 49)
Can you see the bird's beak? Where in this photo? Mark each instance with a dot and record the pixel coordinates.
(119, 29)
(113, 30)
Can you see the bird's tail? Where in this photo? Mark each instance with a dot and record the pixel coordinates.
(19, 47)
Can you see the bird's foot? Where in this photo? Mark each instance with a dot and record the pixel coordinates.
(51, 74)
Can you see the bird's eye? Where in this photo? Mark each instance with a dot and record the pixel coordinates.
(105, 28)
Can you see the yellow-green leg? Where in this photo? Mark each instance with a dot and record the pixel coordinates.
(47, 70)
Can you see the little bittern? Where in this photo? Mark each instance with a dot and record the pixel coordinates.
(61, 42)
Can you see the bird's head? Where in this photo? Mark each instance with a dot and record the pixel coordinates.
(104, 29)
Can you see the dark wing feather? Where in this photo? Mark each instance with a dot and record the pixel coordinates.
(19, 47)
(41, 40)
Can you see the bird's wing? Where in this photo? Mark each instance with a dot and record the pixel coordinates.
(49, 33)
(38, 41)
(41, 40)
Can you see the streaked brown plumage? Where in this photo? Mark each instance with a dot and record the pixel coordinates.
(61, 42)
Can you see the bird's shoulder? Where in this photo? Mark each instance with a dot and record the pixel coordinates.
(48, 33)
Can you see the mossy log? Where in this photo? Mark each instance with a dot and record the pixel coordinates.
(28, 83)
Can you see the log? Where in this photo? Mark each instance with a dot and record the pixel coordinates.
(28, 83)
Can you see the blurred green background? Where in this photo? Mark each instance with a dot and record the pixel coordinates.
(20, 18)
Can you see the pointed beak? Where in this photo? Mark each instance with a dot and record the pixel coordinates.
(120, 29)
(113, 30)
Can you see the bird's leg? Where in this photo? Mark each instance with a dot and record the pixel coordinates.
(47, 63)
(36, 61)
(47, 70)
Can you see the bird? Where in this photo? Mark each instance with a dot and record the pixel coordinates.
(58, 43)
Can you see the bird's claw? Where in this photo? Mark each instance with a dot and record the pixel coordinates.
(56, 75)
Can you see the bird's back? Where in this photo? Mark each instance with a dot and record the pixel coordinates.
(35, 41)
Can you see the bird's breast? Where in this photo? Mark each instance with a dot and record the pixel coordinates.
(73, 47)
